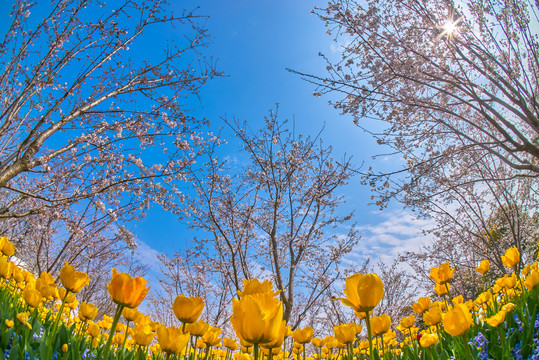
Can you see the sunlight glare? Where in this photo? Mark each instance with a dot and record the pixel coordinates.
(450, 28)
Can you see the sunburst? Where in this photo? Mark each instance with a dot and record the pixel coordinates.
(450, 28)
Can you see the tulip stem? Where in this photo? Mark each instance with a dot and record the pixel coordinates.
(369, 334)
(119, 310)
(502, 338)
(60, 311)
(413, 341)
(467, 346)
(255, 351)
(52, 330)
(448, 293)
(430, 353)
(125, 337)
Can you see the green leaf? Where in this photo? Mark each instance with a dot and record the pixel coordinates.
(444, 355)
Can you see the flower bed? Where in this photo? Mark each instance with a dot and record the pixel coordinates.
(41, 319)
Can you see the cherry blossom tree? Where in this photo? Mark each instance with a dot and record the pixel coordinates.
(95, 125)
(88, 115)
(448, 79)
(479, 221)
(453, 86)
(274, 215)
(191, 272)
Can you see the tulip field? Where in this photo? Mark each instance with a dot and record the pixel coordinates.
(40, 318)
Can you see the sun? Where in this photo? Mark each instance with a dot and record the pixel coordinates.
(450, 28)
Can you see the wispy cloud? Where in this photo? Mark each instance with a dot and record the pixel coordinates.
(148, 256)
(397, 232)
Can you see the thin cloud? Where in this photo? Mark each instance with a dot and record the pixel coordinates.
(400, 231)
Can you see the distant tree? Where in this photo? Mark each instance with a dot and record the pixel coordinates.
(192, 273)
(93, 126)
(84, 238)
(478, 219)
(274, 215)
(400, 290)
(449, 79)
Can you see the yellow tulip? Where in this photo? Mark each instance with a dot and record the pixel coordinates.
(364, 345)
(511, 257)
(278, 342)
(508, 307)
(200, 344)
(188, 309)
(197, 328)
(28, 276)
(288, 332)
(73, 304)
(363, 292)
(428, 340)
(421, 305)
(143, 335)
(483, 297)
(211, 337)
(244, 355)
(483, 267)
(380, 324)
(73, 280)
(118, 339)
(362, 315)
(93, 330)
(9, 323)
(432, 316)
(317, 342)
(130, 314)
(87, 311)
(526, 270)
(257, 319)
(46, 290)
(23, 318)
(458, 300)
(532, 280)
(274, 351)
(47, 278)
(126, 290)
(328, 339)
(6, 247)
(6, 267)
(106, 322)
(510, 282)
(17, 274)
(32, 297)
(407, 322)
(442, 274)
(457, 320)
(346, 333)
(496, 319)
(65, 348)
(441, 289)
(68, 296)
(171, 339)
(246, 349)
(230, 344)
(254, 286)
(304, 335)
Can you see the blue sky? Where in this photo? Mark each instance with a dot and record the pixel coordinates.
(254, 43)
